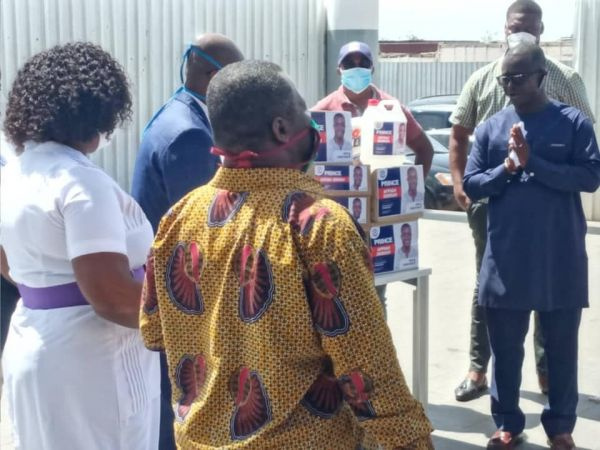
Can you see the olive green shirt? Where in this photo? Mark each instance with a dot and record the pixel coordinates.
(482, 96)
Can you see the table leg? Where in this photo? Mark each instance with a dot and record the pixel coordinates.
(421, 339)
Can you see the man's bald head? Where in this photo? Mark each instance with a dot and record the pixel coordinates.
(523, 70)
(217, 46)
(215, 52)
(526, 56)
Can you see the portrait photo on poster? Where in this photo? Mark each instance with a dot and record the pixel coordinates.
(413, 189)
(338, 125)
(358, 179)
(406, 239)
(358, 208)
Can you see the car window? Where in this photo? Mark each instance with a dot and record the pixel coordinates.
(442, 136)
(437, 147)
(432, 119)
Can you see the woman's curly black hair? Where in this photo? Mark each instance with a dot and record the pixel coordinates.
(67, 94)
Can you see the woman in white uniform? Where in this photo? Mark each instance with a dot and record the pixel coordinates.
(76, 374)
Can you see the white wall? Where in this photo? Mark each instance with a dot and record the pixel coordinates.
(149, 36)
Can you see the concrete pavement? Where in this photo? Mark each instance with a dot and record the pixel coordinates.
(447, 248)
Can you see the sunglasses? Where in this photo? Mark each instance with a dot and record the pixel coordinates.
(348, 63)
(516, 79)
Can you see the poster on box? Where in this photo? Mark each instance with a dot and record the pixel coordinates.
(400, 190)
(357, 207)
(389, 192)
(335, 129)
(342, 177)
(394, 247)
(413, 189)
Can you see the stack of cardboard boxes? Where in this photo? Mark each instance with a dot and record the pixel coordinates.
(398, 201)
(387, 203)
(348, 184)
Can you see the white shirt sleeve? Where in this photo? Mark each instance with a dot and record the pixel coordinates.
(92, 213)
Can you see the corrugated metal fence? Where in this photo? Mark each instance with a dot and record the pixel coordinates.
(149, 36)
(410, 80)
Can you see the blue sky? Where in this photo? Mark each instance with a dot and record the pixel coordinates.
(464, 19)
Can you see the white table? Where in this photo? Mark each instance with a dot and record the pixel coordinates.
(420, 353)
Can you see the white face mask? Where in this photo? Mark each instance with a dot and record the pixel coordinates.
(103, 140)
(522, 37)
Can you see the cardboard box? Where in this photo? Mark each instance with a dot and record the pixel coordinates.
(398, 191)
(343, 179)
(335, 128)
(358, 207)
(394, 247)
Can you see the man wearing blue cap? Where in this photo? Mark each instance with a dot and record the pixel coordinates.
(355, 66)
(174, 158)
(174, 155)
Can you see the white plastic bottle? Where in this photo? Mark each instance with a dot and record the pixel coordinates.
(383, 134)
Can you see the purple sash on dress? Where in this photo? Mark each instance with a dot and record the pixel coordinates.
(61, 296)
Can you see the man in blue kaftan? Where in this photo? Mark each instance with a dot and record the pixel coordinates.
(532, 160)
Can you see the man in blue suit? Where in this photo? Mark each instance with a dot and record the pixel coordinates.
(174, 158)
(174, 155)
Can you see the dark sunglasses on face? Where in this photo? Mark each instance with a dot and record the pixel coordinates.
(517, 79)
(349, 63)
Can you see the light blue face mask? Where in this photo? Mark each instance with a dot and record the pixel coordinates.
(183, 88)
(357, 79)
(201, 54)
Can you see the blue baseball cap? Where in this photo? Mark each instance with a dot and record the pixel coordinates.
(355, 47)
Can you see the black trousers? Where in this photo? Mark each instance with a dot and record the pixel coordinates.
(479, 350)
(507, 329)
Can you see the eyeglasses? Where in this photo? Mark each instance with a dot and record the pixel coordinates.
(517, 79)
(349, 63)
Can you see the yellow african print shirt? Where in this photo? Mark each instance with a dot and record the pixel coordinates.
(260, 292)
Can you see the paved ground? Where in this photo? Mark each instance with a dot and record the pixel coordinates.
(447, 248)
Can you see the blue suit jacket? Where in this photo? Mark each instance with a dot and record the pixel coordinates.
(174, 157)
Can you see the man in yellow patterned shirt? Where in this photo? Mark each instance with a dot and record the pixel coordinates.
(260, 291)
